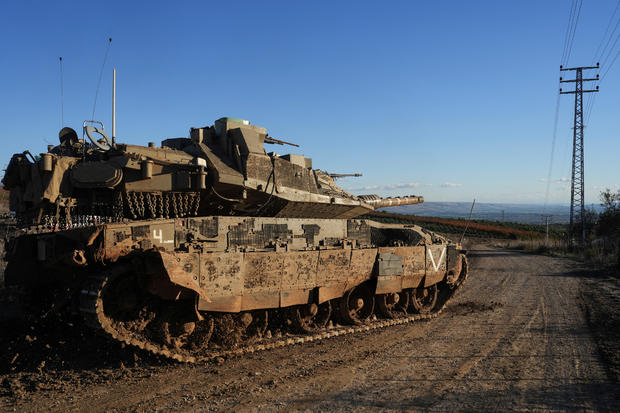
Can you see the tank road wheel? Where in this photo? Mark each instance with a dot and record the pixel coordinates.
(124, 306)
(234, 329)
(311, 318)
(393, 305)
(181, 328)
(423, 300)
(357, 305)
(256, 324)
(203, 331)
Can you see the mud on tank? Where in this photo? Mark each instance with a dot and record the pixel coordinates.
(210, 245)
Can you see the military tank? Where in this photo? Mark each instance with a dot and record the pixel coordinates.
(209, 245)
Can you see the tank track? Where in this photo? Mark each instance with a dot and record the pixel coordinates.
(91, 307)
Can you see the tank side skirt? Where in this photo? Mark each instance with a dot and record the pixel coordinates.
(238, 283)
(259, 280)
(92, 309)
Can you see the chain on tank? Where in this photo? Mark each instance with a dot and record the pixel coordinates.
(121, 206)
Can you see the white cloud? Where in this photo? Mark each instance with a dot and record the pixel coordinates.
(450, 185)
(562, 180)
(542, 179)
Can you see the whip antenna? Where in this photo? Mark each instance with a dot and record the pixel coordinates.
(114, 106)
(468, 221)
(107, 51)
(62, 97)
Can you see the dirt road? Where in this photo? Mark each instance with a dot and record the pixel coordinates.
(515, 339)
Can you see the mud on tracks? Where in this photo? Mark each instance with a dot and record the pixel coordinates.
(44, 351)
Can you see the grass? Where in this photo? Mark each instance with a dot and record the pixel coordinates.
(601, 255)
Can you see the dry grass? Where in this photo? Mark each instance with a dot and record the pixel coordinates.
(602, 253)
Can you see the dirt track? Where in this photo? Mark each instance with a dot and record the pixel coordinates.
(516, 338)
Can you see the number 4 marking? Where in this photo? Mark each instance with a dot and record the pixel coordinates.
(157, 234)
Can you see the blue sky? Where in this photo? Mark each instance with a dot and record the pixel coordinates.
(451, 100)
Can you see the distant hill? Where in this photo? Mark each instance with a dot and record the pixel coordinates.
(522, 213)
(485, 229)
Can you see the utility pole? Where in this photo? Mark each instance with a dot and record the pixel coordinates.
(577, 182)
(547, 217)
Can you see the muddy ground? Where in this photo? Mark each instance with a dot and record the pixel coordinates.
(521, 336)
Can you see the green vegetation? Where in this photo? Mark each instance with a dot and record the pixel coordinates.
(602, 246)
(608, 224)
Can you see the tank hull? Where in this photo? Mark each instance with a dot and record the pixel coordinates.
(222, 266)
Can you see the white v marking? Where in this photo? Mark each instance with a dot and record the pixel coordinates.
(430, 254)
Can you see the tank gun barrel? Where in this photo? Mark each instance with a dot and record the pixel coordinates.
(335, 176)
(269, 139)
(378, 202)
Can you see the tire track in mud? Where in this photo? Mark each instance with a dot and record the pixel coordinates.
(545, 329)
(496, 339)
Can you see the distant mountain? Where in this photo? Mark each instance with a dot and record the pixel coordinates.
(522, 213)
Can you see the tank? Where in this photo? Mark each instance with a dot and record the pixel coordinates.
(210, 245)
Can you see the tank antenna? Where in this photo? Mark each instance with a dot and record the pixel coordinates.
(113, 106)
(107, 50)
(62, 97)
(468, 221)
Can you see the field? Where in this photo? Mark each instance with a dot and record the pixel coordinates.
(475, 228)
(522, 213)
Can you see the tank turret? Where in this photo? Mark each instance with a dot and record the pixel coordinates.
(221, 169)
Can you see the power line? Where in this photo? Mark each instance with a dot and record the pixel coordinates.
(555, 130)
(590, 105)
(597, 57)
(611, 36)
(598, 49)
(570, 48)
(613, 47)
(568, 30)
(610, 66)
(573, 17)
